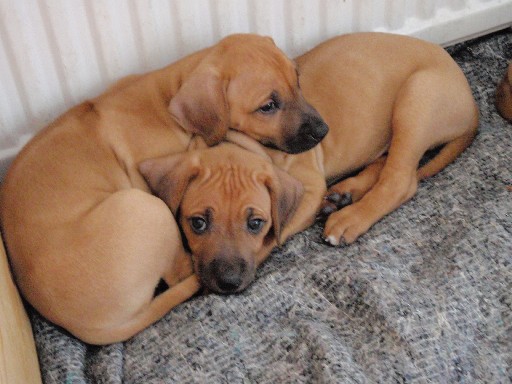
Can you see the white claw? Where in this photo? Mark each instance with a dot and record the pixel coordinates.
(332, 240)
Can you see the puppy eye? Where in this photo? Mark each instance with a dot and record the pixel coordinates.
(255, 225)
(270, 107)
(198, 224)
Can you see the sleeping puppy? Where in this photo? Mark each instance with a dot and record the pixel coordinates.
(504, 95)
(387, 100)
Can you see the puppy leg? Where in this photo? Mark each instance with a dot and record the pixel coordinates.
(433, 107)
(124, 245)
(352, 189)
(396, 184)
(181, 268)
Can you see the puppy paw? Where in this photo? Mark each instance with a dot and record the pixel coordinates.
(334, 241)
(345, 226)
(333, 201)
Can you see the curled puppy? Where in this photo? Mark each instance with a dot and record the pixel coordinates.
(387, 100)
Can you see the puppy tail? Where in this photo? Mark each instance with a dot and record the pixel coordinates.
(446, 155)
(155, 310)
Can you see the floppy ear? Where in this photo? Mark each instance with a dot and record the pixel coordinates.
(270, 39)
(285, 194)
(200, 105)
(168, 177)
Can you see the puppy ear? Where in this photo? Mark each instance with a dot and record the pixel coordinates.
(271, 40)
(200, 105)
(168, 177)
(285, 194)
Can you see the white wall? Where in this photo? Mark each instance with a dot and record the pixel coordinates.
(56, 53)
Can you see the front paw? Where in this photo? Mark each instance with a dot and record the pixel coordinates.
(332, 202)
(346, 225)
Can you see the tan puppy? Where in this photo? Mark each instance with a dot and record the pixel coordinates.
(389, 99)
(386, 98)
(504, 95)
(88, 244)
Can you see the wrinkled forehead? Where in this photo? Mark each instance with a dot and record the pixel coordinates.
(228, 177)
(227, 190)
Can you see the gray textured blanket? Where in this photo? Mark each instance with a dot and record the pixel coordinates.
(424, 297)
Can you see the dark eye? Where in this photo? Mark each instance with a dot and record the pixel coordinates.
(270, 107)
(255, 225)
(198, 224)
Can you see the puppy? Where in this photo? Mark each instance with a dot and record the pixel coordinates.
(387, 100)
(87, 242)
(504, 95)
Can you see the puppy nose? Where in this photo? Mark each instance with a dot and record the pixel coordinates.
(228, 274)
(315, 128)
(311, 131)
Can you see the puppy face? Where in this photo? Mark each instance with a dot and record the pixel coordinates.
(226, 219)
(231, 204)
(504, 95)
(247, 84)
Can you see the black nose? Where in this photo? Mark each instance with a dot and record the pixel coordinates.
(311, 131)
(315, 128)
(228, 275)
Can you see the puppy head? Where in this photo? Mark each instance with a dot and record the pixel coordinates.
(246, 83)
(504, 95)
(230, 204)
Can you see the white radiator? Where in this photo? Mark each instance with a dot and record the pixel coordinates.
(56, 53)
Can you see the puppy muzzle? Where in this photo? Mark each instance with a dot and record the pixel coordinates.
(227, 275)
(311, 131)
